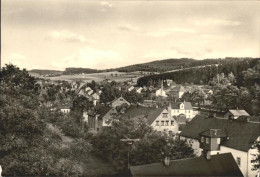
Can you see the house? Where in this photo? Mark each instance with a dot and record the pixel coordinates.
(162, 121)
(89, 92)
(235, 113)
(181, 91)
(119, 101)
(169, 82)
(139, 90)
(236, 136)
(130, 88)
(185, 108)
(161, 92)
(74, 85)
(65, 108)
(96, 97)
(217, 165)
(159, 118)
(87, 89)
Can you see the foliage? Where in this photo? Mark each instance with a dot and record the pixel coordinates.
(150, 148)
(256, 160)
(27, 146)
(205, 74)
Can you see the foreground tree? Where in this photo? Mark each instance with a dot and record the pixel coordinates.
(27, 146)
(149, 149)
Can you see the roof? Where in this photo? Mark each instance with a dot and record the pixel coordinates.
(218, 165)
(154, 114)
(134, 111)
(119, 98)
(214, 133)
(176, 105)
(241, 135)
(102, 111)
(181, 119)
(238, 112)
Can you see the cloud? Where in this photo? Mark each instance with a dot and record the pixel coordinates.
(19, 60)
(89, 57)
(168, 31)
(106, 4)
(67, 36)
(128, 27)
(217, 22)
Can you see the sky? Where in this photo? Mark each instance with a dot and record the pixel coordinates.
(47, 34)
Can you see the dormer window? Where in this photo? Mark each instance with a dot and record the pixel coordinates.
(181, 106)
(202, 139)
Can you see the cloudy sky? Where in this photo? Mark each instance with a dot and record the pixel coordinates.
(47, 34)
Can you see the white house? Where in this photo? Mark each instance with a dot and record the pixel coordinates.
(161, 120)
(225, 135)
(182, 108)
(139, 90)
(131, 88)
(181, 92)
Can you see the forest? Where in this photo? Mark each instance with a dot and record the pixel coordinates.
(205, 74)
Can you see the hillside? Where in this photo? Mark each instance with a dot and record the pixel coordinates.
(154, 66)
(168, 65)
(45, 71)
(204, 74)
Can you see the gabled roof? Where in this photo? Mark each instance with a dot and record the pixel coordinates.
(119, 98)
(238, 112)
(241, 135)
(176, 105)
(154, 114)
(102, 111)
(134, 111)
(218, 165)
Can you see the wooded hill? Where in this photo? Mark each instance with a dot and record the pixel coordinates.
(154, 66)
(205, 74)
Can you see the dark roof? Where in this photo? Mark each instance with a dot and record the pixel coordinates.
(218, 165)
(241, 135)
(134, 111)
(103, 110)
(214, 133)
(154, 114)
(180, 119)
(176, 105)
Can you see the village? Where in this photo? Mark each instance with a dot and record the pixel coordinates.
(215, 135)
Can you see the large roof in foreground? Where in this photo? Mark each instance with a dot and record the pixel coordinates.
(241, 134)
(218, 165)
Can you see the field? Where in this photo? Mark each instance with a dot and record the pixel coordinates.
(114, 76)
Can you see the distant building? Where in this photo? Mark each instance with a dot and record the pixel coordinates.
(161, 92)
(131, 88)
(119, 101)
(235, 113)
(65, 108)
(217, 165)
(182, 108)
(222, 136)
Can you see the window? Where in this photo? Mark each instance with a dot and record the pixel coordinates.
(167, 123)
(238, 161)
(165, 115)
(157, 123)
(202, 139)
(207, 140)
(172, 122)
(189, 111)
(177, 111)
(162, 123)
(218, 141)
